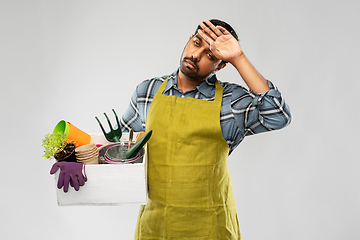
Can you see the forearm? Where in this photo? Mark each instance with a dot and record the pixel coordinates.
(253, 79)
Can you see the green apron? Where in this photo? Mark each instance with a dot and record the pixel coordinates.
(190, 191)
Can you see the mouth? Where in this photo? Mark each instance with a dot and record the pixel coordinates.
(190, 64)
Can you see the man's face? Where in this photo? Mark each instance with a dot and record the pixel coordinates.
(197, 61)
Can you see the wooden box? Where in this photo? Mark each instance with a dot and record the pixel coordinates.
(109, 184)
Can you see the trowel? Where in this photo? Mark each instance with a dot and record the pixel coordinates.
(134, 149)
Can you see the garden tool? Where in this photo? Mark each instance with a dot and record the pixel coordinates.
(130, 137)
(134, 149)
(139, 135)
(115, 134)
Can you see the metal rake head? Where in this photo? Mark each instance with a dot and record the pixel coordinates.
(115, 134)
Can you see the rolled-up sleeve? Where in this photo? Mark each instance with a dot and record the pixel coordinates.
(255, 113)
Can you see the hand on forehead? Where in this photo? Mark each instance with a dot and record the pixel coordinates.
(222, 43)
(210, 32)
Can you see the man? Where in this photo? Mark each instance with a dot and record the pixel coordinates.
(197, 122)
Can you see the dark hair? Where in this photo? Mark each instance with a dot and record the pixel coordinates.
(223, 24)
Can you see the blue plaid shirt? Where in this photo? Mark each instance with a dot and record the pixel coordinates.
(243, 112)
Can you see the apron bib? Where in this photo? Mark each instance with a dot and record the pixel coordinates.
(190, 192)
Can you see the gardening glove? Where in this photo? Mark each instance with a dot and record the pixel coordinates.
(70, 172)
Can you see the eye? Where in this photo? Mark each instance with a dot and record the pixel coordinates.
(210, 56)
(196, 42)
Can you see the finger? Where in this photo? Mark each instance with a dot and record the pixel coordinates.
(54, 168)
(66, 183)
(75, 183)
(213, 28)
(71, 183)
(208, 31)
(81, 180)
(209, 40)
(205, 37)
(223, 30)
(60, 182)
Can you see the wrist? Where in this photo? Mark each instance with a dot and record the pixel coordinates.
(238, 58)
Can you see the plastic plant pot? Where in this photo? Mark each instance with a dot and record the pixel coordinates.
(73, 133)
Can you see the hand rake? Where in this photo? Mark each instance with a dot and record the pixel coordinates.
(115, 134)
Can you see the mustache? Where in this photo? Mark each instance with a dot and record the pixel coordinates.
(192, 60)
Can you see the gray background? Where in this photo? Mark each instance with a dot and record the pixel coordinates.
(74, 60)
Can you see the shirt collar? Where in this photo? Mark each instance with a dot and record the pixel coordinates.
(204, 87)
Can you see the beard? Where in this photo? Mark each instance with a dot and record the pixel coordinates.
(192, 73)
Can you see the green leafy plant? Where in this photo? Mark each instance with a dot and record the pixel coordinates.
(54, 143)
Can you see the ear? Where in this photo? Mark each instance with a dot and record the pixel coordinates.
(221, 66)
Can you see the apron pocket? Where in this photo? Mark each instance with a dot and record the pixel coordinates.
(182, 209)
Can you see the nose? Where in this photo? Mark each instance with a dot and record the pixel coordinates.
(196, 55)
